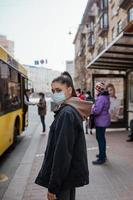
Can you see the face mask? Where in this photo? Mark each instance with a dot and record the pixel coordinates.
(59, 97)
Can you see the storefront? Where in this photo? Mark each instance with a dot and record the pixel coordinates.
(117, 57)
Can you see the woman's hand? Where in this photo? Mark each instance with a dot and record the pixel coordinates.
(51, 196)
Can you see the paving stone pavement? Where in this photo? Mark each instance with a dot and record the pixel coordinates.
(111, 181)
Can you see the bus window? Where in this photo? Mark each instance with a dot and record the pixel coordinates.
(4, 77)
(10, 90)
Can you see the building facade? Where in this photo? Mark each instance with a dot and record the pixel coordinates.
(102, 22)
(7, 44)
(70, 68)
(41, 78)
(104, 48)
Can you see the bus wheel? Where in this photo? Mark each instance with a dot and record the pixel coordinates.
(15, 137)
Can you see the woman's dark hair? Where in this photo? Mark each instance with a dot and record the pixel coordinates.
(66, 79)
(78, 90)
(26, 90)
(41, 94)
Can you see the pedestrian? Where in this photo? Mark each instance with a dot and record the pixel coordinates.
(65, 164)
(130, 139)
(42, 110)
(100, 109)
(26, 103)
(89, 97)
(80, 94)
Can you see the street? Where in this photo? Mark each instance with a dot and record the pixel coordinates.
(111, 181)
(11, 160)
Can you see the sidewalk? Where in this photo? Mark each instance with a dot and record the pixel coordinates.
(111, 181)
(33, 191)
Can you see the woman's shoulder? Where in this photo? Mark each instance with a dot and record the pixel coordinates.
(67, 109)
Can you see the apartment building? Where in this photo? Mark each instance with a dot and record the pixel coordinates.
(7, 44)
(102, 22)
(104, 48)
(70, 68)
(40, 77)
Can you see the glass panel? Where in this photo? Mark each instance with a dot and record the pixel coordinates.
(14, 93)
(101, 22)
(105, 2)
(4, 77)
(115, 88)
(9, 88)
(4, 70)
(130, 14)
(14, 76)
(105, 20)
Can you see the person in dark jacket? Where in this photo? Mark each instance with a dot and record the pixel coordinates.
(65, 164)
(89, 97)
(100, 109)
(42, 110)
(27, 103)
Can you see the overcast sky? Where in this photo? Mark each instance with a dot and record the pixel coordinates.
(40, 29)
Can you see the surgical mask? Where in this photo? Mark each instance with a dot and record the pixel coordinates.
(59, 97)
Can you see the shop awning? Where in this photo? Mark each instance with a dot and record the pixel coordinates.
(117, 56)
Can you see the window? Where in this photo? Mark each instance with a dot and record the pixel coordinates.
(91, 40)
(119, 27)
(104, 21)
(91, 26)
(104, 4)
(113, 33)
(130, 14)
(9, 88)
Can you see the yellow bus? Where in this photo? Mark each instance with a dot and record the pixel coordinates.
(13, 82)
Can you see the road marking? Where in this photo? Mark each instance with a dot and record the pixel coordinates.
(94, 148)
(40, 155)
(3, 178)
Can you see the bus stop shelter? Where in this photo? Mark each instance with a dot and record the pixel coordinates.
(117, 56)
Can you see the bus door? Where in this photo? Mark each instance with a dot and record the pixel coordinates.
(24, 86)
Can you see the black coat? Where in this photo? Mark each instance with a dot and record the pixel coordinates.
(42, 107)
(65, 163)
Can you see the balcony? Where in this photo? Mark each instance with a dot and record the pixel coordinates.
(125, 3)
(103, 30)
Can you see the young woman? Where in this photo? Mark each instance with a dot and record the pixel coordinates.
(65, 164)
(114, 103)
(100, 110)
(42, 110)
